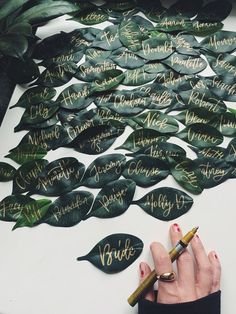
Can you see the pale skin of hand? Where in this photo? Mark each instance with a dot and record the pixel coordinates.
(198, 274)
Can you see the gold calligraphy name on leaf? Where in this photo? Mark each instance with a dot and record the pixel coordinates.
(138, 168)
(160, 98)
(215, 173)
(200, 25)
(96, 171)
(162, 201)
(99, 68)
(74, 131)
(23, 180)
(182, 43)
(191, 117)
(188, 176)
(143, 141)
(60, 71)
(132, 101)
(33, 95)
(92, 16)
(6, 207)
(59, 211)
(109, 254)
(223, 64)
(167, 47)
(226, 123)
(39, 111)
(107, 115)
(69, 98)
(166, 22)
(127, 55)
(192, 135)
(6, 173)
(193, 63)
(230, 89)
(62, 171)
(95, 54)
(197, 98)
(134, 75)
(218, 43)
(232, 150)
(114, 197)
(106, 82)
(211, 152)
(109, 38)
(131, 36)
(77, 42)
(153, 119)
(151, 151)
(40, 137)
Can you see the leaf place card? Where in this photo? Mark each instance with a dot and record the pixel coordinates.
(115, 252)
(26, 152)
(7, 172)
(165, 203)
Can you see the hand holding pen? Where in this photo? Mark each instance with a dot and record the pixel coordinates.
(195, 279)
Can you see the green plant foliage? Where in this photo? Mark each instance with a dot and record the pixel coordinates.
(114, 253)
(7, 172)
(26, 152)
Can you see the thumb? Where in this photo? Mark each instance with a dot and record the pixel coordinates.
(144, 272)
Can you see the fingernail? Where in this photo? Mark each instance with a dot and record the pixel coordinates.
(142, 269)
(176, 227)
(215, 255)
(196, 238)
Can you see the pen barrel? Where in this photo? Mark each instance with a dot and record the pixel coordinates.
(144, 286)
(177, 250)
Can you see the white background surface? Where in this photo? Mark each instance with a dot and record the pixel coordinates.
(39, 273)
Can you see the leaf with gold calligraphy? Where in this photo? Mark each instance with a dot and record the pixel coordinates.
(114, 253)
(103, 170)
(214, 11)
(97, 54)
(50, 138)
(108, 39)
(113, 200)
(220, 42)
(186, 172)
(70, 57)
(211, 152)
(97, 139)
(171, 24)
(222, 64)
(158, 121)
(195, 115)
(198, 28)
(58, 177)
(201, 135)
(214, 171)
(107, 115)
(26, 152)
(26, 175)
(144, 24)
(57, 74)
(185, 64)
(7, 172)
(32, 215)
(130, 35)
(225, 123)
(165, 203)
(75, 97)
(136, 77)
(203, 98)
(157, 48)
(35, 95)
(107, 80)
(231, 152)
(153, 10)
(90, 16)
(126, 102)
(146, 170)
(127, 59)
(186, 44)
(42, 125)
(142, 138)
(222, 86)
(68, 209)
(160, 150)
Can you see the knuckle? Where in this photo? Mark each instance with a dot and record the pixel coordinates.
(163, 259)
(208, 269)
(186, 257)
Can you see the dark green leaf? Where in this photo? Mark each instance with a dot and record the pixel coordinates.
(203, 29)
(115, 252)
(203, 99)
(222, 41)
(113, 199)
(13, 45)
(142, 138)
(50, 138)
(185, 64)
(96, 140)
(144, 24)
(161, 150)
(75, 96)
(69, 209)
(137, 77)
(22, 71)
(92, 69)
(231, 152)
(10, 6)
(172, 24)
(186, 172)
(32, 215)
(107, 115)
(185, 44)
(214, 171)
(223, 86)
(107, 80)
(42, 125)
(126, 59)
(145, 170)
(108, 39)
(24, 29)
(158, 121)
(165, 203)
(46, 11)
(211, 152)
(71, 57)
(222, 64)
(91, 16)
(103, 170)
(154, 67)
(27, 174)
(96, 54)
(7, 172)
(215, 11)
(35, 95)
(57, 75)
(195, 115)
(156, 48)
(26, 152)
(201, 135)
(186, 8)
(125, 102)
(59, 177)
(130, 35)
(225, 123)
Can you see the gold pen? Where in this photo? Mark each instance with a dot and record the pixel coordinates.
(152, 277)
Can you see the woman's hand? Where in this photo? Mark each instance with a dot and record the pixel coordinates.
(197, 275)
